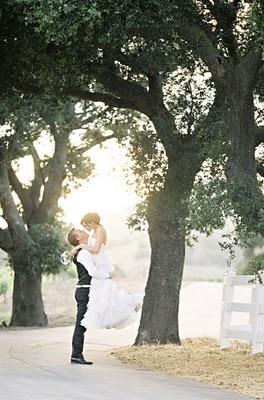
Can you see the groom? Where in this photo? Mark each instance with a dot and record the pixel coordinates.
(83, 260)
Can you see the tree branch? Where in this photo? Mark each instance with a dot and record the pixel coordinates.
(106, 98)
(48, 206)
(14, 220)
(95, 142)
(155, 87)
(22, 193)
(80, 123)
(251, 63)
(259, 135)
(38, 180)
(225, 14)
(260, 169)
(132, 63)
(236, 3)
(124, 89)
(6, 242)
(205, 49)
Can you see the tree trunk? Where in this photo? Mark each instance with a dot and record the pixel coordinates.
(159, 321)
(166, 217)
(247, 197)
(28, 307)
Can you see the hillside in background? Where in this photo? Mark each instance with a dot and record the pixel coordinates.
(130, 252)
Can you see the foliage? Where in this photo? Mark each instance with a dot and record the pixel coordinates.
(188, 102)
(20, 124)
(43, 253)
(49, 244)
(258, 21)
(252, 260)
(93, 21)
(209, 205)
(106, 37)
(3, 287)
(5, 280)
(149, 157)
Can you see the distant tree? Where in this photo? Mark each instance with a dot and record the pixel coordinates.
(34, 234)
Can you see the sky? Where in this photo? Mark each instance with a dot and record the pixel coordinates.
(107, 191)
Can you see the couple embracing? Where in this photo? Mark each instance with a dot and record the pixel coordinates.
(99, 302)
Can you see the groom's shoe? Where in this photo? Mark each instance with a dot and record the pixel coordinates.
(80, 360)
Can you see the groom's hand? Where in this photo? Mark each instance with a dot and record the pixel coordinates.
(74, 251)
(80, 246)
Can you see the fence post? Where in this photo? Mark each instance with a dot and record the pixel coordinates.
(256, 319)
(261, 310)
(228, 293)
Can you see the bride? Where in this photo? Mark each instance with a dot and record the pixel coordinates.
(108, 306)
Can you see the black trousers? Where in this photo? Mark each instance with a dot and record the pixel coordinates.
(82, 298)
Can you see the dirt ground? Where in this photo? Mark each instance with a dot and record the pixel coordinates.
(58, 296)
(201, 359)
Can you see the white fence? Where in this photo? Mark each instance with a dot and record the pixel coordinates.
(254, 331)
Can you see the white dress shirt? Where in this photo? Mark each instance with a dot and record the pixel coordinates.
(87, 260)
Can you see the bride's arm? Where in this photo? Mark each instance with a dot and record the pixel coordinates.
(76, 248)
(99, 240)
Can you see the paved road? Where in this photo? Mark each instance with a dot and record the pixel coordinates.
(34, 365)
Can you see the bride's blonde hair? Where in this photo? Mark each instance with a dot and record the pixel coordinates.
(90, 217)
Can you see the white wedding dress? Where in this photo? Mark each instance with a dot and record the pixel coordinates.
(108, 306)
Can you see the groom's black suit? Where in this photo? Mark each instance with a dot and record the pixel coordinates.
(82, 298)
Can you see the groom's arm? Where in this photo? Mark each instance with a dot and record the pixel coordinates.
(86, 259)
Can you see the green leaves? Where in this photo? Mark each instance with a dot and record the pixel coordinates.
(78, 168)
(257, 20)
(43, 253)
(209, 205)
(61, 21)
(3, 287)
(70, 43)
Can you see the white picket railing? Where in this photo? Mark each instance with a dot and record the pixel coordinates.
(254, 331)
